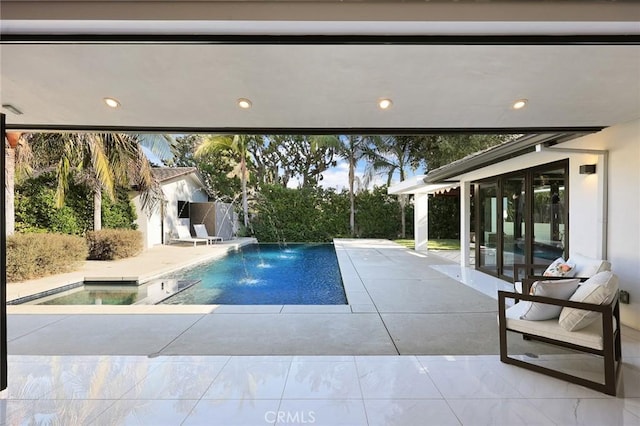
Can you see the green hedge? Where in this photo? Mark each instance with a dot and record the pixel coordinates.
(111, 244)
(316, 214)
(299, 215)
(444, 217)
(36, 210)
(38, 255)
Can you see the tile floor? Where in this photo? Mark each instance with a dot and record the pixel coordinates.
(318, 390)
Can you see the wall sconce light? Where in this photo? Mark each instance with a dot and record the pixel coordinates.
(587, 169)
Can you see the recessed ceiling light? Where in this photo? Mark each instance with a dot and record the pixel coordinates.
(519, 104)
(244, 103)
(385, 103)
(111, 102)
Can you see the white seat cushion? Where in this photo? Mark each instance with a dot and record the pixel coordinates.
(599, 289)
(590, 336)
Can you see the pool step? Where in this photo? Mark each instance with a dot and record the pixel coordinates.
(161, 289)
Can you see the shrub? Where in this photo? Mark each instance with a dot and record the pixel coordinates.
(38, 255)
(119, 213)
(111, 244)
(444, 217)
(377, 214)
(36, 210)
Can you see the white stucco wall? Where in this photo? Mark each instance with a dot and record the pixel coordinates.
(623, 143)
(184, 188)
(586, 205)
(145, 221)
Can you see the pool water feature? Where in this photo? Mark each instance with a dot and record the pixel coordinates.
(266, 274)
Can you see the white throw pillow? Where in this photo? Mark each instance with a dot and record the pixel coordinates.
(557, 289)
(600, 290)
(560, 268)
(587, 266)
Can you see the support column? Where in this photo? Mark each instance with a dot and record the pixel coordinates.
(465, 222)
(421, 219)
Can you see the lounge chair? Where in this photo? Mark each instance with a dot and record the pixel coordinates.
(201, 232)
(588, 322)
(185, 236)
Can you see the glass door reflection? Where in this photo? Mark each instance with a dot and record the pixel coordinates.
(487, 235)
(549, 215)
(513, 223)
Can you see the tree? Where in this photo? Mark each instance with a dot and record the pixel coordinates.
(434, 151)
(36, 211)
(17, 159)
(102, 161)
(280, 158)
(216, 169)
(237, 144)
(391, 155)
(353, 148)
(306, 157)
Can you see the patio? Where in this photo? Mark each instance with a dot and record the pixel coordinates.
(404, 351)
(400, 303)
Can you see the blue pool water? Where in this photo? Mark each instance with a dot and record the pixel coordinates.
(267, 274)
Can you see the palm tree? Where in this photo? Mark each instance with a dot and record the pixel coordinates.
(238, 145)
(102, 160)
(17, 159)
(391, 155)
(106, 160)
(353, 148)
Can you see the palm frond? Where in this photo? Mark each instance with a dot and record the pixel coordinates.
(324, 141)
(213, 144)
(142, 178)
(161, 145)
(64, 173)
(23, 159)
(101, 164)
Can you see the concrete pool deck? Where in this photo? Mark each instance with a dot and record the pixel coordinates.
(400, 302)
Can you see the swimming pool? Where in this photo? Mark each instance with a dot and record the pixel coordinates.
(266, 274)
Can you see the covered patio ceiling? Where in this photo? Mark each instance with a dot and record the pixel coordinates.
(188, 74)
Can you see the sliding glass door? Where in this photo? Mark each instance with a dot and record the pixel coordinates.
(487, 226)
(521, 218)
(514, 205)
(549, 215)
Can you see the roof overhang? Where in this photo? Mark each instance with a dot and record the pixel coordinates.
(522, 145)
(417, 185)
(444, 178)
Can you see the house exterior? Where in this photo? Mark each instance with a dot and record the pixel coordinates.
(547, 184)
(180, 186)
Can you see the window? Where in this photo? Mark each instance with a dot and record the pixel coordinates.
(183, 209)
